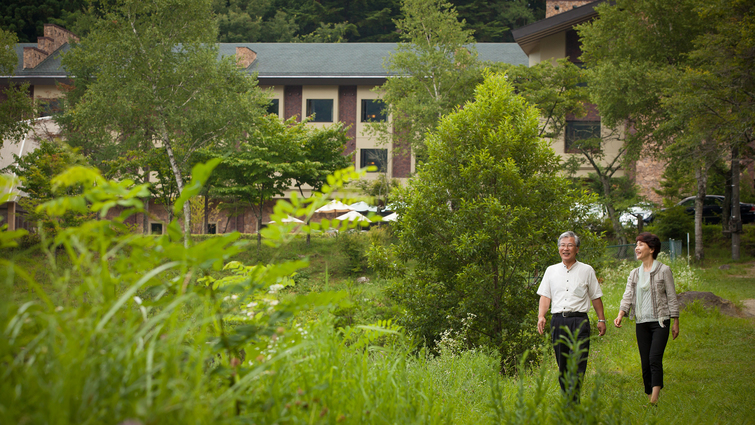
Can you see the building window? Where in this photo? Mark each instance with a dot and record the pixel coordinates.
(156, 228)
(375, 157)
(50, 107)
(212, 228)
(372, 110)
(579, 131)
(274, 107)
(322, 109)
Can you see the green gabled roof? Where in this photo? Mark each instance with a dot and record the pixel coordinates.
(323, 60)
(308, 61)
(48, 67)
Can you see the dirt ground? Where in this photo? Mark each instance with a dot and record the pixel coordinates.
(711, 300)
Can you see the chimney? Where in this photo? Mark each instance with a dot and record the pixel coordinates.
(245, 56)
(554, 7)
(54, 38)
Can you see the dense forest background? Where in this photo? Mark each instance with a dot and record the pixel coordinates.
(287, 20)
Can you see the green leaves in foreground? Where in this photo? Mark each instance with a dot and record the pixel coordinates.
(133, 326)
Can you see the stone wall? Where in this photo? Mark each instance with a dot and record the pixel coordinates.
(554, 7)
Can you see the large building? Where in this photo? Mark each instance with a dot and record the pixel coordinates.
(555, 38)
(335, 81)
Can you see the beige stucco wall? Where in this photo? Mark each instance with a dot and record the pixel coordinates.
(320, 92)
(366, 140)
(47, 92)
(552, 48)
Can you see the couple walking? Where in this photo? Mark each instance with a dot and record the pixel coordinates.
(650, 299)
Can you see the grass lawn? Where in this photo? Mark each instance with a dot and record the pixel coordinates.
(709, 369)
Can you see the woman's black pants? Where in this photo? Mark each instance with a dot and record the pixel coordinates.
(651, 340)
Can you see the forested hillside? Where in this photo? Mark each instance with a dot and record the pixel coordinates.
(287, 20)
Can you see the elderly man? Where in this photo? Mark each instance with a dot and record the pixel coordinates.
(570, 286)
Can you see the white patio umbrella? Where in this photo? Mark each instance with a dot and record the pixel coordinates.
(290, 219)
(334, 206)
(391, 217)
(362, 206)
(353, 215)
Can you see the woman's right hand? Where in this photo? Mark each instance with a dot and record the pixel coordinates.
(617, 321)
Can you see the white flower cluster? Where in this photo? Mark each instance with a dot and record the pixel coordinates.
(453, 343)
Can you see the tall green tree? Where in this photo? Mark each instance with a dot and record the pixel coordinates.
(718, 99)
(16, 105)
(154, 78)
(480, 219)
(634, 53)
(559, 91)
(36, 171)
(260, 167)
(434, 71)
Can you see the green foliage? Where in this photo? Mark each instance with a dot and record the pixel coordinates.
(36, 171)
(436, 70)
(554, 89)
(473, 221)
(672, 223)
(17, 106)
(354, 245)
(146, 328)
(151, 77)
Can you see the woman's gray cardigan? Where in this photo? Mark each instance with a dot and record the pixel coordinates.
(665, 303)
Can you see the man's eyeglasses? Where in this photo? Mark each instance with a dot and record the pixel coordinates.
(566, 245)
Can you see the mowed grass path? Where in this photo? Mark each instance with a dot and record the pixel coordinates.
(709, 370)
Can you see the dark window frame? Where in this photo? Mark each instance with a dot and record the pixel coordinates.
(316, 107)
(366, 159)
(274, 107)
(368, 110)
(578, 130)
(152, 228)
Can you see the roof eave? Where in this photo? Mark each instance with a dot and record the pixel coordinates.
(528, 36)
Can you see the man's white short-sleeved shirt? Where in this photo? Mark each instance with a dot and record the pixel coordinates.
(571, 289)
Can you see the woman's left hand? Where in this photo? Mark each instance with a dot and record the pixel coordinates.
(675, 328)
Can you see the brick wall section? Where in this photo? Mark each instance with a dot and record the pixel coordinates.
(554, 7)
(402, 159)
(646, 173)
(347, 114)
(55, 36)
(292, 102)
(245, 56)
(591, 114)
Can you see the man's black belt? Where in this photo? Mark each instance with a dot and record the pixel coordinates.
(571, 314)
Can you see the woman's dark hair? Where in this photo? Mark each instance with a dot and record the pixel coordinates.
(652, 241)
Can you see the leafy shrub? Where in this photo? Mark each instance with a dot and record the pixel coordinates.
(672, 223)
(354, 245)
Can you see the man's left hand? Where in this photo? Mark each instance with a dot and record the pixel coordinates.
(601, 328)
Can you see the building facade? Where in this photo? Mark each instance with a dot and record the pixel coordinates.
(329, 82)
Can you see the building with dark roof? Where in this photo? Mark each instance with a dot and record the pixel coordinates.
(335, 81)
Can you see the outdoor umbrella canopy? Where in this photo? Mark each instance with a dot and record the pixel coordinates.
(362, 206)
(391, 217)
(334, 206)
(289, 219)
(353, 215)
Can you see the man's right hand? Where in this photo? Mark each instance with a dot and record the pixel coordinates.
(541, 324)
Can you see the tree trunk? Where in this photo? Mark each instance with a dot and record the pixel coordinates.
(179, 182)
(702, 181)
(736, 212)
(145, 214)
(617, 228)
(726, 211)
(206, 221)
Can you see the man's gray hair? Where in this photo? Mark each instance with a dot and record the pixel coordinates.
(569, 234)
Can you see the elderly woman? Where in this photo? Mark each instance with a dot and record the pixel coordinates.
(650, 299)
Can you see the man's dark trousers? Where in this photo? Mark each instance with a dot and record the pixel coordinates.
(580, 328)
